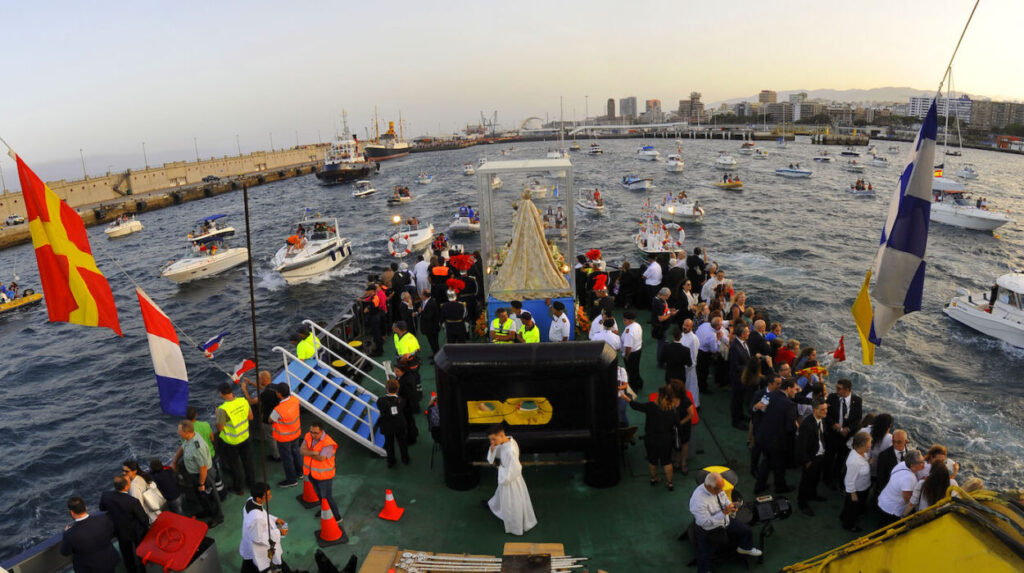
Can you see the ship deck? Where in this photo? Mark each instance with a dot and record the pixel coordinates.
(631, 526)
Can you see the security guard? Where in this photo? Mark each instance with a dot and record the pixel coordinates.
(287, 433)
(406, 345)
(233, 417)
(318, 451)
(503, 330)
(306, 347)
(530, 332)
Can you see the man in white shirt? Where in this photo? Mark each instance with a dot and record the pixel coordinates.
(708, 291)
(632, 347)
(422, 271)
(714, 523)
(597, 325)
(515, 314)
(609, 336)
(894, 498)
(559, 329)
(856, 483)
(711, 336)
(690, 341)
(652, 278)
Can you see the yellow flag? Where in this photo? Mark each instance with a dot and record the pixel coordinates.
(863, 315)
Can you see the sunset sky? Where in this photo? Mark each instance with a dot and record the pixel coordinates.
(105, 77)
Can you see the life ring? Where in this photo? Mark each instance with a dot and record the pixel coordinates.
(392, 239)
(28, 292)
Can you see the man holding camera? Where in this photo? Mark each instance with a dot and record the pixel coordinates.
(715, 522)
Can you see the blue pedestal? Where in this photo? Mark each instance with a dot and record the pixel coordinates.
(539, 309)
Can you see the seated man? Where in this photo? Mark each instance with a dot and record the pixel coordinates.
(715, 523)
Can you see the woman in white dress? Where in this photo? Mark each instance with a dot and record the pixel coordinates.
(511, 501)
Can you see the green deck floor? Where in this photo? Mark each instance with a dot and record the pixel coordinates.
(629, 527)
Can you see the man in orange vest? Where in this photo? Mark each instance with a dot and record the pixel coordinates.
(288, 434)
(318, 451)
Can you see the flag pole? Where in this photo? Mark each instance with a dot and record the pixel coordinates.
(949, 66)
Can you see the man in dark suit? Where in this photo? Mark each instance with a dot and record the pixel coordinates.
(739, 355)
(676, 357)
(88, 540)
(429, 315)
(758, 345)
(758, 403)
(810, 452)
(130, 520)
(843, 420)
(890, 457)
(775, 437)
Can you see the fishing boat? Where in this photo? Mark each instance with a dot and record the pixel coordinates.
(967, 172)
(824, 157)
(635, 183)
(464, 225)
(400, 195)
(468, 169)
(853, 167)
(388, 145)
(590, 200)
(674, 163)
(998, 313)
(124, 225)
(28, 298)
(747, 148)
(424, 179)
(410, 239)
(654, 236)
(595, 149)
(647, 153)
(794, 172)
(849, 152)
(878, 161)
(207, 253)
(315, 248)
(343, 162)
(363, 188)
(953, 206)
(730, 185)
(758, 154)
(680, 208)
(725, 161)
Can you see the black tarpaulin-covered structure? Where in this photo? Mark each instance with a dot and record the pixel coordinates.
(575, 382)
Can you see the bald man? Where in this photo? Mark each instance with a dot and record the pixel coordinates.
(889, 457)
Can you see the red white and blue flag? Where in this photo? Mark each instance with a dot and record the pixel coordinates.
(211, 345)
(168, 363)
(241, 368)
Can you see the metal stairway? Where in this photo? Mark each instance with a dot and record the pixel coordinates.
(329, 387)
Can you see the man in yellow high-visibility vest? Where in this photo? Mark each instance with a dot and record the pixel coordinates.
(503, 330)
(233, 417)
(529, 333)
(406, 344)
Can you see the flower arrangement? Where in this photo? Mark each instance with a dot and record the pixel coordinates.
(582, 322)
(480, 328)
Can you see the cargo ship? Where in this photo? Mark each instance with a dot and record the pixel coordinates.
(387, 145)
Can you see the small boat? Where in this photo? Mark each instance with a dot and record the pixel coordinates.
(725, 161)
(410, 239)
(315, 248)
(595, 149)
(733, 185)
(655, 236)
(481, 162)
(781, 142)
(496, 182)
(468, 169)
(207, 254)
(878, 161)
(124, 225)
(824, 157)
(953, 206)
(575, 146)
(464, 225)
(209, 229)
(647, 153)
(555, 223)
(634, 183)
(953, 153)
(363, 188)
(400, 195)
(423, 178)
(967, 172)
(28, 298)
(849, 152)
(679, 208)
(862, 189)
(747, 148)
(872, 150)
(853, 167)
(997, 314)
(894, 149)
(794, 172)
(674, 163)
(538, 190)
(758, 154)
(590, 200)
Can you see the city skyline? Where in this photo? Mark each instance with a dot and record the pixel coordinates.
(216, 79)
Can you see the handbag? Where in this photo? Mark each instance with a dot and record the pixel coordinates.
(152, 499)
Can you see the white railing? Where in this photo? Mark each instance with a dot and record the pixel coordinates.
(385, 368)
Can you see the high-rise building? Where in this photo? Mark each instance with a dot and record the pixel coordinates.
(959, 107)
(744, 109)
(692, 110)
(798, 98)
(779, 112)
(652, 105)
(627, 107)
(996, 114)
(767, 96)
(611, 108)
(807, 110)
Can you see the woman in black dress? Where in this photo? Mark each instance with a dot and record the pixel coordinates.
(659, 432)
(686, 411)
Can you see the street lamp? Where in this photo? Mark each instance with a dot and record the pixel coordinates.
(145, 157)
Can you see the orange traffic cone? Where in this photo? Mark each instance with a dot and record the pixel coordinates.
(309, 498)
(330, 533)
(391, 511)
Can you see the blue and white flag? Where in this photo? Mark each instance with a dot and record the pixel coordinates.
(899, 265)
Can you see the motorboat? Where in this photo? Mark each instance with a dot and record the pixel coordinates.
(849, 152)
(481, 162)
(655, 237)
(315, 248)
(468, 169)
(953, 206)
(496, 182)
(824, 157)
(590, 200)
(210, 229)
(674, 163)
(967, 172)
(878, 161)
(998, 313)
(424, 179)
(681, 209)
(595, 149)
(647, 153)
(953, 153)
(725, 161)
(747, 148)
(730, 185)
(464, 225)
(400, 195)
(894, 149)
(862, 188)
(758, 154)
(124, 225)
(575, 146)
(634, 183)
(794, 172)
(207, 254)
(363, 188)
(410, 238)
(27, 298)
(853, 167)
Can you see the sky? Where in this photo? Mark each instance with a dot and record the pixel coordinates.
(96, 80)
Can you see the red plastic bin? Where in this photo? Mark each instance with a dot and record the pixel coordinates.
(172, 541)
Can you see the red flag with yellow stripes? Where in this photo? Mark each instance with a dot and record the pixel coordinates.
(73, 286)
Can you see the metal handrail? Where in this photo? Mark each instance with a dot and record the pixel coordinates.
(286, 355)
(316, 327)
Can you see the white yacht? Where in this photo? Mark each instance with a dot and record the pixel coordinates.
(207, 254)
(853, 166)
(634, 183)
(674, 163)
(464, 225)
(849, 152)
(758, 154)
(725, 161)
(468, 169)
(424, 179)
(967, 172)
(538, 190)
(681, 209)
(824, 157)
(647, 153)
(655, 236)
(999, 314)
(363, 188)
(590, 200)
(952, 206)
(747, 148)
(315, 248)
(794, 172)
(124, 225)
(410, 239)
(878, 161)
(595, 149)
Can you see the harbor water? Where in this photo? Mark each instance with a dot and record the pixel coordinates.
(78, 401)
